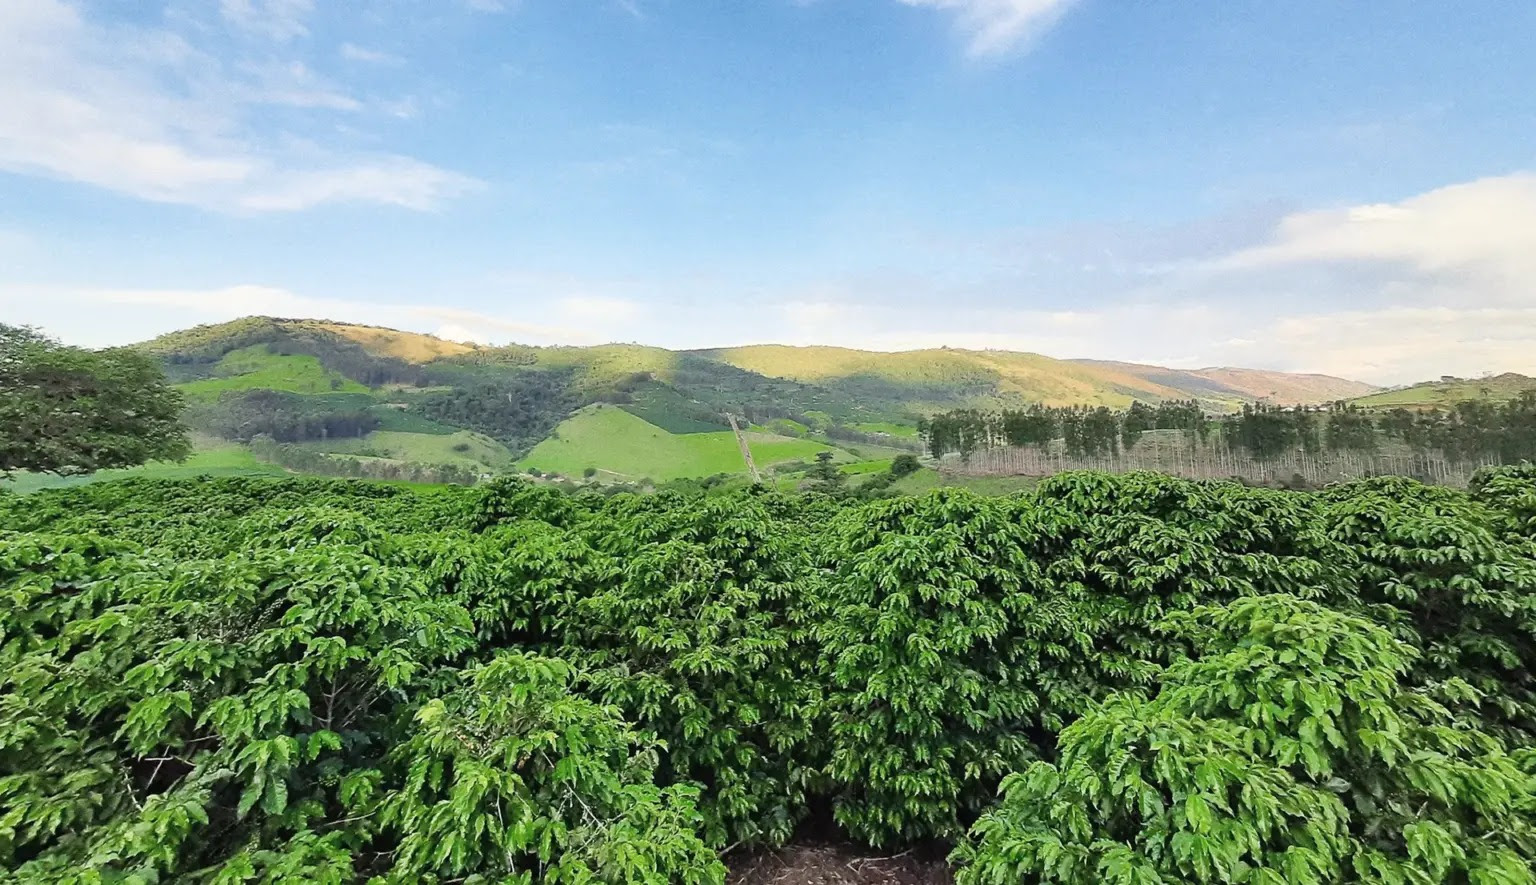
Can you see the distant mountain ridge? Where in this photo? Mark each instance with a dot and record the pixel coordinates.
(910, 381)
(1288, 388)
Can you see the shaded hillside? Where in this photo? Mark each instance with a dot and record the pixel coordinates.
(1228, 385)
(947, 378)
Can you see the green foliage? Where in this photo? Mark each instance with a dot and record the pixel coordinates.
(1081, 431)
(699, 632)
(304, 680)
(65, 410)
(1284, 750)
(165, 720)
(924, 586)
(512, 778)
(1432, 566)
(663, 406)
(261, 367)
(242, 415)
(517, 408)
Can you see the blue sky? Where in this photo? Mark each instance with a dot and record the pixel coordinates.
(1303, 185)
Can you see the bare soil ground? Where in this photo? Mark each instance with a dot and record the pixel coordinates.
(837, 865)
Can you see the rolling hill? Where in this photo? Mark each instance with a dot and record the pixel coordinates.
(323, 396)
(945, 378)
(1447, 392)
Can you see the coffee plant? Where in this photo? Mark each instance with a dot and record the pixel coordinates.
(1285, 750)
(1130, 678)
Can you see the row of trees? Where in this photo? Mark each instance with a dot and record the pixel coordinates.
(1475, 428)
(1083, 430)
(518, 409)
(302, 460)
(1472, 431)
(243, 415)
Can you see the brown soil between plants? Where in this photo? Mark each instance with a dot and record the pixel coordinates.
(832, 865)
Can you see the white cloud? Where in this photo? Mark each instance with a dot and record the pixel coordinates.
(997, 26)
(276, 19)
(354, 52)
(396, 181)
(1484, 228)
(145, 113)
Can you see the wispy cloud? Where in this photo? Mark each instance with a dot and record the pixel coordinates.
(354, 52)
(993, 27)
(276, 19)
(147, 113)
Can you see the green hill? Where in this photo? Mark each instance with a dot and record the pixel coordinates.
(320, 395)
(257, 367)
(1447, 392)
(948, 378)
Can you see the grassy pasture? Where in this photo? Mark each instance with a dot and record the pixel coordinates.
(258, 368)
(619, 443)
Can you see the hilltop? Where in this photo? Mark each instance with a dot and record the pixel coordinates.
(331, 397)
(1448, 392)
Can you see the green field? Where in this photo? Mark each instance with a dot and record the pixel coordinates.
(1446, 394)
(211, 459)
(902, 431)
(621, 445)
(258, 368)
(423, 448)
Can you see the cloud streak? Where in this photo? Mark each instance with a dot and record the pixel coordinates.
(148, 114)
(994, 27)
(275, 19)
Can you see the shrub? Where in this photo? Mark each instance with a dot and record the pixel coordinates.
(1285, 751)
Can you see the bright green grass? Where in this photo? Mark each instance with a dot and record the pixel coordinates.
(423, 448)
(225, 459)
(863, 468)
(258, 368)
(622, 445)
(898, 430)
(1446, 394)
(786, 427)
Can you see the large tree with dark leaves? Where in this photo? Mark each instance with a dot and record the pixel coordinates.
(67, 410)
